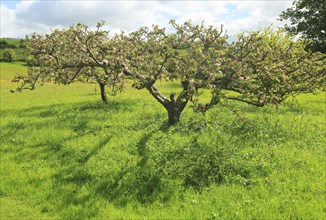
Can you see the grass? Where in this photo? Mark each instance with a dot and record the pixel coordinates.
(66, 155)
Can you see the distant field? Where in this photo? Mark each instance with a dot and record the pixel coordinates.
(12, 41)
(66, 155)
(20, 54)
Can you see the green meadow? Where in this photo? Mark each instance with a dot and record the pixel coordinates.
(67, 155)
(19, 52)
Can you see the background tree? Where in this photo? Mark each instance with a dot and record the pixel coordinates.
(3, 44)
(308, 18)
(22, 44)
(9, 55)
(76, 54)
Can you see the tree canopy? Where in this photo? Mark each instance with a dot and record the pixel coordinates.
(258, 68)
(9, 55)
(267, 67)
(308, 19)
(190, 55)
(76, 54)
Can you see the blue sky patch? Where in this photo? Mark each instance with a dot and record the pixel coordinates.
(10, 4)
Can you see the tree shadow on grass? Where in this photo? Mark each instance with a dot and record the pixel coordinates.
(165, 166)
(73, 180)
(135, 182)
(43, 116)
(48, 134)
(69, 175)
(62, 126)
(53, 110)
(118, 189)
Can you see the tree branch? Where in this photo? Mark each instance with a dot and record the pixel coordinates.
(258, 104)
(153, 90)
(76, 74)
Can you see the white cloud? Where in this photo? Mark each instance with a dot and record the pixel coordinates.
(40, 16)
(252, 15)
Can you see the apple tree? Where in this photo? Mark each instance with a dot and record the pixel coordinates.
(259, 68)
(267, 67)
(190, 55)
(76, 54)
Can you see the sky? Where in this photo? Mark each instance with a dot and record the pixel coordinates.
(20, 18)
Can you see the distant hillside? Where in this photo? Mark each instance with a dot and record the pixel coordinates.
(15, 44)
(11, 43)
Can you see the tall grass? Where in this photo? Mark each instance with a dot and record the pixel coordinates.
(66, 155)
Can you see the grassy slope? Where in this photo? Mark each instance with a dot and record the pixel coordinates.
(12, 41)
(66, 155)
(19, 52)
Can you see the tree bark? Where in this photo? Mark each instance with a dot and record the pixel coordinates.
(103, 94)
(174, 106)
(173, 114)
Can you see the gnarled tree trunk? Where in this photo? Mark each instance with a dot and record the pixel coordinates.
(174, 106)
(174, 114)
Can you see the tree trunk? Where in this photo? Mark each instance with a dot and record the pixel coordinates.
(103, 94)
(174, 114)
(174, 106)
